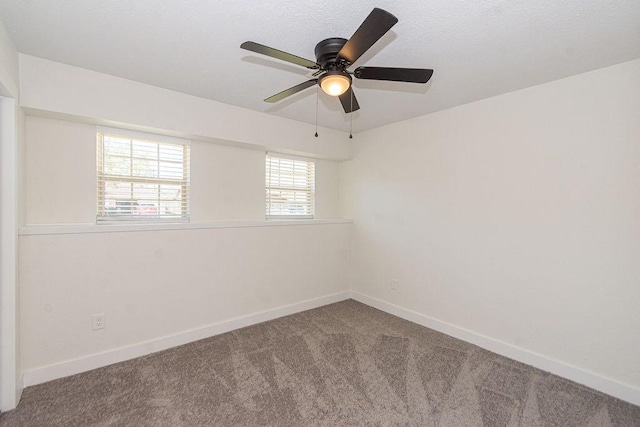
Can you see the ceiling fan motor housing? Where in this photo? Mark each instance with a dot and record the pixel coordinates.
(327, 53)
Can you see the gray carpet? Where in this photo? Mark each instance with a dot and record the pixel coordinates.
(342, 364)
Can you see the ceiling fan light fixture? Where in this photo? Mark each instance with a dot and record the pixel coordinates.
(335, 83)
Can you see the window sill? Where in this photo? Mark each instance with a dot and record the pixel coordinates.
(35, 230)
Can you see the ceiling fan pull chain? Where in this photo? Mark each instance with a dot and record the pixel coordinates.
(317, 94)
(351, 114)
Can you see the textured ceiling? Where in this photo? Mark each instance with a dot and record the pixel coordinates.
(478, 49)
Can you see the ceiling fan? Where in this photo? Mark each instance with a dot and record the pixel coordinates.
(335, 55)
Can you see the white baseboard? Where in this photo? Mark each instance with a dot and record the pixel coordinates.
(606, 385)
(598, 382)
(98, 360)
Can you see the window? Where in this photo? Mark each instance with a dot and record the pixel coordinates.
(142, 177)
(290, 187)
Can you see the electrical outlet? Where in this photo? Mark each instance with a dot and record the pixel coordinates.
(394, 284)
(98, 321)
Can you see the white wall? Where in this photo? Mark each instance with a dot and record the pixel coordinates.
(157, 283)
(150, 284)
(11, 142)
(227, 183)
(9, 75)
(327, 203)
(515, 217)
(53, 88)
(60, 169)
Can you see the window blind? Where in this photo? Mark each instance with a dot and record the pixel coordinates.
(290, 187)
(140, 179)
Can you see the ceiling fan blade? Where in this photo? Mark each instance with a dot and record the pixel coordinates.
(374, 26)
(410, 75)
(291, 91)
(278, 54)
(349, 101)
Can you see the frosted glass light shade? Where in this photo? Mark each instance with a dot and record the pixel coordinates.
(335, 84)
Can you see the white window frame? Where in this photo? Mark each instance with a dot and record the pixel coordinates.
(310, 189)
(185, 182)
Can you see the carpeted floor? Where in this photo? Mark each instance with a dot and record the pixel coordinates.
(342, 364)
